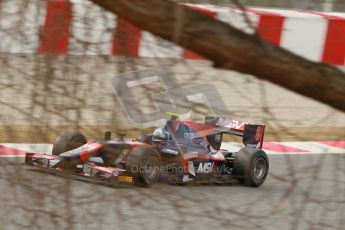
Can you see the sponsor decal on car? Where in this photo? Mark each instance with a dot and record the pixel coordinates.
(205, 167)
(259, 133)
(127, 179)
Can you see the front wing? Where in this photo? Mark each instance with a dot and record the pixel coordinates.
(90, 172)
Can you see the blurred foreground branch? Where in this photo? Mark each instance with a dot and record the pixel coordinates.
(231, 48)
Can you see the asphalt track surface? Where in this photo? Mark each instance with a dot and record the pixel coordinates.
(303, 191)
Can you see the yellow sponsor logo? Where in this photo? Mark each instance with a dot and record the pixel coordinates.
(127, 179)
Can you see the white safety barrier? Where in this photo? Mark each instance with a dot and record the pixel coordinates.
(82, 28)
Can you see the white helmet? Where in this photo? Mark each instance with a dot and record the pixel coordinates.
(159, 135)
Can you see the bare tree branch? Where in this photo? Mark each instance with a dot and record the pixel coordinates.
(231, 48)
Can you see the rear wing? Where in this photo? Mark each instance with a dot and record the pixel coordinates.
(252, 134)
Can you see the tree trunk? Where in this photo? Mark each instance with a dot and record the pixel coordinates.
(233, 49)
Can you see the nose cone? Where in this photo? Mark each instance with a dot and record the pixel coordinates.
(70, 154)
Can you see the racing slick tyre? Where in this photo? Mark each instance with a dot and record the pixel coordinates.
(68, 140)
(251, 166)
(144, 164)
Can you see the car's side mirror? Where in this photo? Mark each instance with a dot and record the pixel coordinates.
(121, 135)
(107, 136)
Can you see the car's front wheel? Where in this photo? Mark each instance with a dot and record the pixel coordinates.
(68, 140)
(144, 164)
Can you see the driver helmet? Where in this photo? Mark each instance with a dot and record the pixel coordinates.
(160, 135)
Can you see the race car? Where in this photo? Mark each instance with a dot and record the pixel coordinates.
(182, 152)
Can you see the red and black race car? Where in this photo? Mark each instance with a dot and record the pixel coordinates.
(182, 152)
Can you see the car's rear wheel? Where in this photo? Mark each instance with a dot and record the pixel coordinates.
(144, 164)
(68, 140)
(251, 166)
